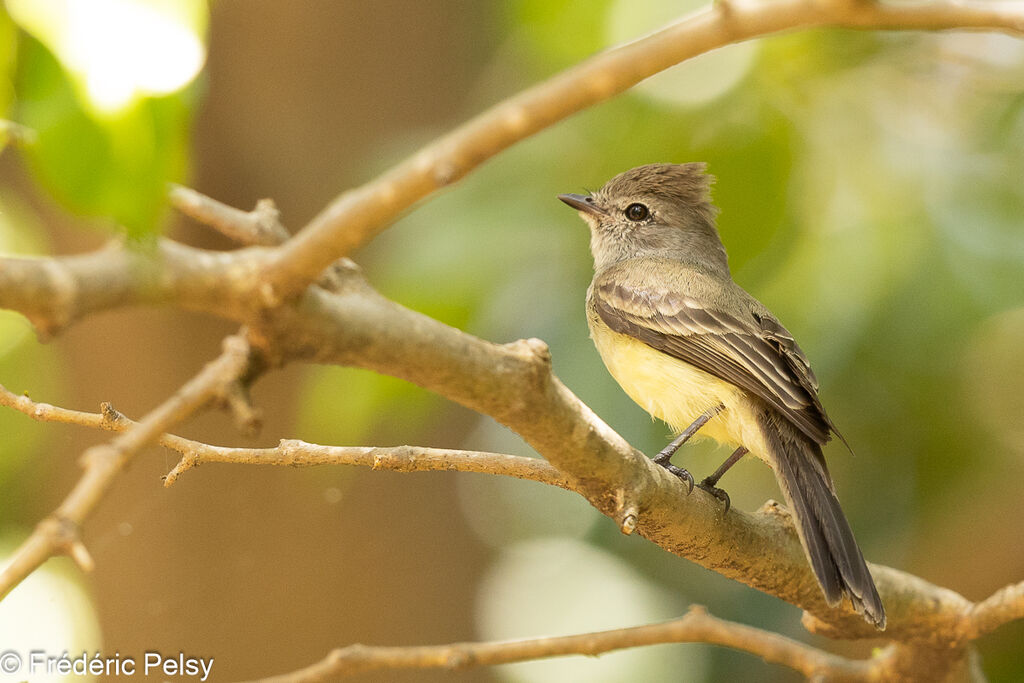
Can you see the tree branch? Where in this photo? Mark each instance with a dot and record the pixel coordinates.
(358, 215)
(295, 453)
(102, 463)
(696, 626)
(394, 458)
(261, 226)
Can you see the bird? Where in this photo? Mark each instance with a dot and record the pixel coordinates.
(694, 349)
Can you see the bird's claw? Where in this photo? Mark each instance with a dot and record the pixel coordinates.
(682, 474)
(716, 492)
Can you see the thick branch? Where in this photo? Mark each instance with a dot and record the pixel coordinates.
(59, 532)
(696, 626)
(357, 216)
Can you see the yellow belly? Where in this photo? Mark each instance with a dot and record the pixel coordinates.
(677, 392)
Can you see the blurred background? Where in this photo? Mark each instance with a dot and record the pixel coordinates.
(870, 193)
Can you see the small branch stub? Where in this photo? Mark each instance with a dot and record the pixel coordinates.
(626, 511)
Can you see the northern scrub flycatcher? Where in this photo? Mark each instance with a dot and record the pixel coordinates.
(694, 349)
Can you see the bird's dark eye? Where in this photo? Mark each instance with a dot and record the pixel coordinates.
(637, 212)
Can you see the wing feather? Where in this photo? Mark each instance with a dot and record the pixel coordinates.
(756, 354)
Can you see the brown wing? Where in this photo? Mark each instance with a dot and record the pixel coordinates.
(757, 355)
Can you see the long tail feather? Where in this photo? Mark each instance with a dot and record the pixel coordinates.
(821, 525)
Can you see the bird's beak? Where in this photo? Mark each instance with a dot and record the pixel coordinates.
(584, 203)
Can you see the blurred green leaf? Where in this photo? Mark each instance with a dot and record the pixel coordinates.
(755, 163)
(114, 166)
(346, 406)
(794, 62)
(544, 23)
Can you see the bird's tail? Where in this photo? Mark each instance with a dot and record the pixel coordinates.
(824, 532)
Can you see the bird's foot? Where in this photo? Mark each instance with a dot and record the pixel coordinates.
(708, 485)
(684, 475)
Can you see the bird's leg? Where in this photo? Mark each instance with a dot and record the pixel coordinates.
(665, 455)
(709, 482)
(668, 451)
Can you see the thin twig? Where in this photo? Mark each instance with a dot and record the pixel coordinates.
(261, 226)
(696, 626)
(296, 453)
(356, 216)
(392, 458)
(59, 532)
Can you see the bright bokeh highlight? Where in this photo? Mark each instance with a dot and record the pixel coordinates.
(46, 612)
(120, 50)
(556, 586)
